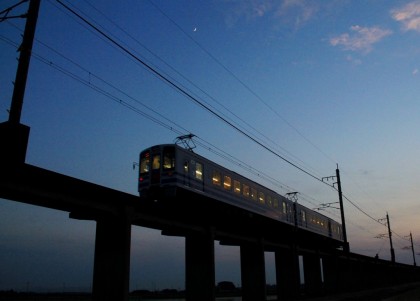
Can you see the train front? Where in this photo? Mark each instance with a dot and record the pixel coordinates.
(157, 175)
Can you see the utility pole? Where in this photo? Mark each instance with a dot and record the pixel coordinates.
(24, 59)
(412, 249)
(343, 221)
(346, 246)
(13, 134)
(390, 238)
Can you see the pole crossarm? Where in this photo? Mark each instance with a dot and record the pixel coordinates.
(328, 205)
(6, 12)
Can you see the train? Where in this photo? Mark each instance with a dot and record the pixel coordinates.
(166, 168)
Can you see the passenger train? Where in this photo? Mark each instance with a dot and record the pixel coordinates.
(163, 169)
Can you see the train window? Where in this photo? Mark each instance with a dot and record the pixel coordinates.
(199, 171)
(269, 200)
(156, 162)
(245, 190)
(284, 208)
(144, 162)
(216, 177)
(303, 216)
(168, 158)
(261, 197)
(227, 182)
(276, 203)
(236, 186)
(254, 194)
(186, 166)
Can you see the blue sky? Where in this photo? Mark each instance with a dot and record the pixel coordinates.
(320, 82)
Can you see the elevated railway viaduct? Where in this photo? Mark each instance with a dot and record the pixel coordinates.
(327, 268)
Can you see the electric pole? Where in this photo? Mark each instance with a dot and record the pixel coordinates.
(390, 239)
(25, 50)
(412, 249)
(346, 246)
(13, 134)
(343, 221)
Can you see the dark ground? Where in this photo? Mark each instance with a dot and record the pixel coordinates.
(406, 292)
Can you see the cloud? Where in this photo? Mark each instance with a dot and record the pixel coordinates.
(415, 71)
(353, 60)
(297, 12)
(360, 38)
(408, 15)
(248, 10)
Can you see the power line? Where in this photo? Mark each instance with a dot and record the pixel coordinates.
(185, 93)
(200, 89)
(197, 101)
(239, 80)
(210, 147)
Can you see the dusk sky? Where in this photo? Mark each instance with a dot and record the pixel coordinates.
(319, 82)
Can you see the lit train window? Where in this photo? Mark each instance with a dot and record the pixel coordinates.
(303, 216)
(227, 182)
(186, 166)
(145, 162)
(269, 201)
(156, 162)
(262, 197)
(168, 158)
(254, 194)
(276, 203)
(236, 186)
(216, 177)
(245, 190)
(199, 171)
(284, 208)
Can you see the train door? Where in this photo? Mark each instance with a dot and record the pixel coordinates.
(186, 172)
(155, 176)
(144, 169)
(329, 229)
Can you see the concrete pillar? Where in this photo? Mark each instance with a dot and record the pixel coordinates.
(312, 272)
(287, 274)
(253, 272)
(347, 276)
(200, 267)
(111, 271)
(331, 273)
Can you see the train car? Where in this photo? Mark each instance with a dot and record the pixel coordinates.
(166, 168)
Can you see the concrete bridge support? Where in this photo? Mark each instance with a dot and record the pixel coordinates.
(111, 271)
(287, 273)
(200, 267)
(253, 272)
(313, 275)
(330, 272)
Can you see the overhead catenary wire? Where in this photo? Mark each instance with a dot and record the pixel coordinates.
(201, 104)
(247, 87)
(178, 129)
(247, 124)
(261, 145)
(185, 93)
